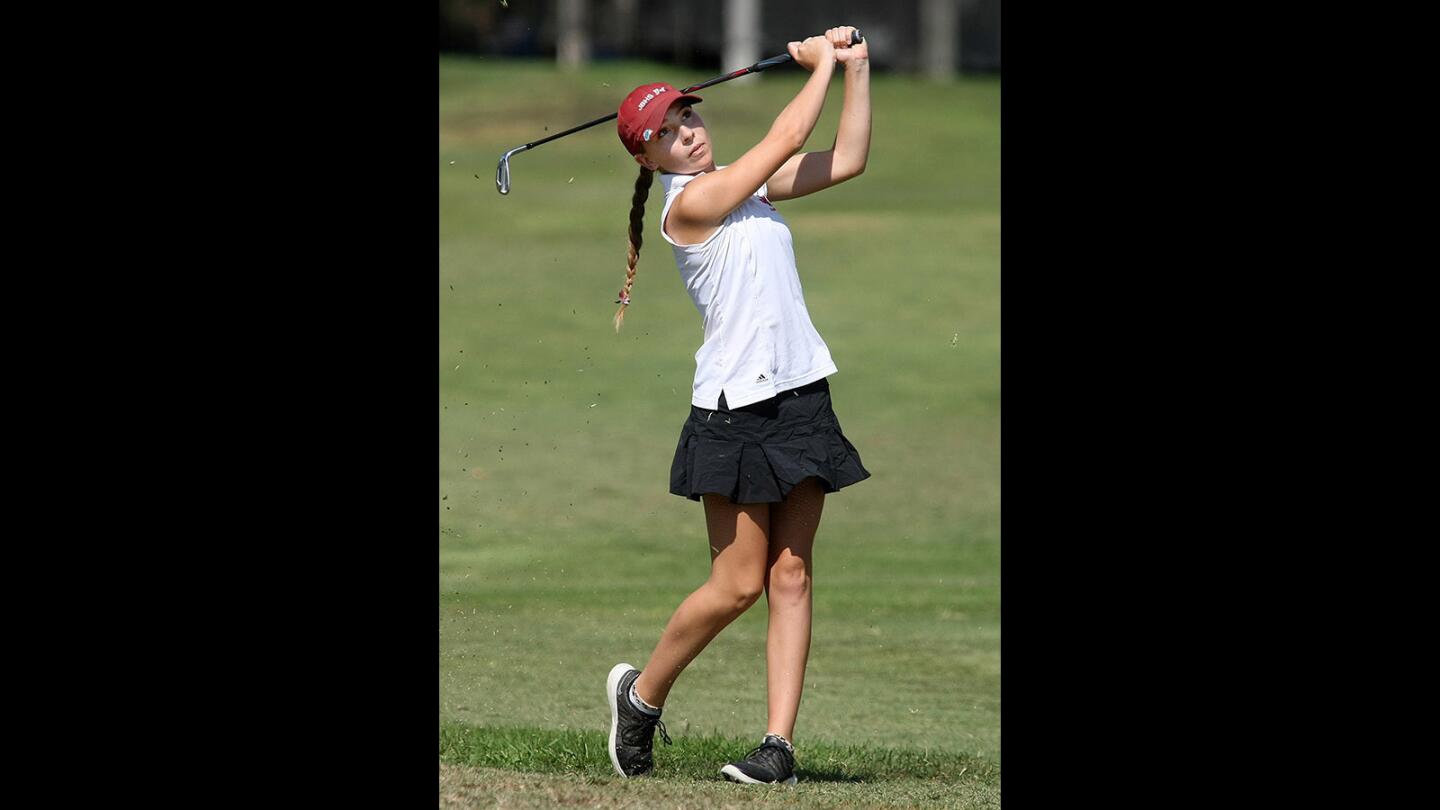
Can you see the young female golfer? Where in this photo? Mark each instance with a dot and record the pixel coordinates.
(762, 445)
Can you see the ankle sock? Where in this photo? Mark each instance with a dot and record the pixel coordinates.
(782, 739)
(641, 705)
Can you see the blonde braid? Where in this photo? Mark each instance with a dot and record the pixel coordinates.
(637, 221)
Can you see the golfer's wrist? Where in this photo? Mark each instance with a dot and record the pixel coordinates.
(852, 65)
(824, 71)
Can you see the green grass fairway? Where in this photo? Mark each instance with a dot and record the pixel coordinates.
(481, 765)
(561, 550)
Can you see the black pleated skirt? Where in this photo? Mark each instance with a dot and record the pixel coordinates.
(758, 453)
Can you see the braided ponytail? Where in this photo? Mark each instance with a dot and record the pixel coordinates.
(637, 220)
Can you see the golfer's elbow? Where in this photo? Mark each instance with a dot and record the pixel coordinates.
(792, 135)
(848, 170)
(795, 139)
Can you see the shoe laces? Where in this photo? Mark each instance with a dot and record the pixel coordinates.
(646, 729)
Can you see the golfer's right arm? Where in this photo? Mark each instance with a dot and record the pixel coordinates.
(708, 199)
(809, 172)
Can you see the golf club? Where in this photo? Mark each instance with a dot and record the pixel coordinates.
(502, 171)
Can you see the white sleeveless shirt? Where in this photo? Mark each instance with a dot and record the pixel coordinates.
(759, 340)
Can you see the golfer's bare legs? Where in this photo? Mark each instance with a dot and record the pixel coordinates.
(787, 589)
(738, 549)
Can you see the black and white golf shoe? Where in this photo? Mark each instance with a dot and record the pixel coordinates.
(771, 763)
(632, 732)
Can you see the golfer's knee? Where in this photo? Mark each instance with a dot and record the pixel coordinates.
(789, 578)
(738, 596)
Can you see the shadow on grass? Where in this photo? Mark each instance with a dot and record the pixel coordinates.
(808, 774)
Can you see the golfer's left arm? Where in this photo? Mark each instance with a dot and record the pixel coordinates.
(809, 172)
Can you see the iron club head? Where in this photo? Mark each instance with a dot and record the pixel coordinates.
(502, 172)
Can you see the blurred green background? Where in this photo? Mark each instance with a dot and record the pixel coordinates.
(562, 551)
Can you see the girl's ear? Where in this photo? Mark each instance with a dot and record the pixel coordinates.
(647, 163)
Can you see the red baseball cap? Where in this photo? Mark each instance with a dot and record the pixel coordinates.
(642, 112)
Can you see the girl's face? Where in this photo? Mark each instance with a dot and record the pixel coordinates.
(681, 145)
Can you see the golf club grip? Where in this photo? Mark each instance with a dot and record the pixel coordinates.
(764, 64)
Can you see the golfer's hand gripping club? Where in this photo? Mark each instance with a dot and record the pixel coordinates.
(502, 170)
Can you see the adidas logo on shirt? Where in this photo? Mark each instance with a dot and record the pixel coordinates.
(761, 378)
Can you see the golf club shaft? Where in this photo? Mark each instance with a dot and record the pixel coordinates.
(502, 171)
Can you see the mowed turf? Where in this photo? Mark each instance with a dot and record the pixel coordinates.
(561, 550)
(528, 767)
